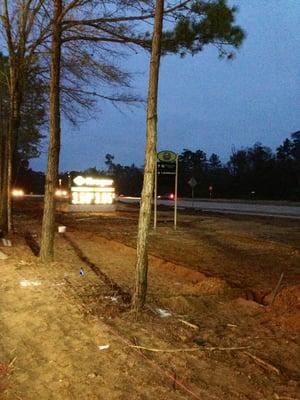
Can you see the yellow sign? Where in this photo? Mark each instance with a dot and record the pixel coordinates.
(167, 156)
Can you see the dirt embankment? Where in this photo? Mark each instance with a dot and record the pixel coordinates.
(57, 320)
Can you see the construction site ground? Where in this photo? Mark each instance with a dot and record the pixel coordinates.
(222, 318)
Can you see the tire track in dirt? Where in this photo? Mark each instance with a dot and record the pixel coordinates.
(195, 277)
(186, 280)
(218, 251)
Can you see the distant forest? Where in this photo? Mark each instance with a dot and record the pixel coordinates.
(254, 172)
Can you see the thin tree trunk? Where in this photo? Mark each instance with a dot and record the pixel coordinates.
(13, 132)
(10, 144)
(3, 169)
(47, 240)
(9, 181)
(140, 290)
(3, 199)
(1, 145)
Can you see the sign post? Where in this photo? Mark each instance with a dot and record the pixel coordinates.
(165, 166)
(155, 197)
(192, 182)
(176, 190)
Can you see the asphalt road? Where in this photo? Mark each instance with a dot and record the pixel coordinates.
(266, 209)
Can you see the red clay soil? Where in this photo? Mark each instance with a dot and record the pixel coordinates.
(215, 276)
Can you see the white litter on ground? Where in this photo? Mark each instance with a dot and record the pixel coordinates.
(112, 298)
(6, 242)
(103, 347)
(163, 313)
(26, 283)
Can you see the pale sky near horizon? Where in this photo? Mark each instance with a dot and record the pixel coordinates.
(205, 103)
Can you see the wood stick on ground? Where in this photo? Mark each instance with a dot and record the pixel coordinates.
(12, 361)
(285, 397)
(155, 350)
(189, 324)
(262, 363)
(277, 288)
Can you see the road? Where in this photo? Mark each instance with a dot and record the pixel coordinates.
(266, 209)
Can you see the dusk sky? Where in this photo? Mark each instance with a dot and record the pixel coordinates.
(205, 103)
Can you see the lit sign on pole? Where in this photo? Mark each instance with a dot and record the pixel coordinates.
(92, 191)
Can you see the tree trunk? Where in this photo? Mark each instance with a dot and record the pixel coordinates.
(47, 240)
(140, 290)
(13, 133)
(3, 169)
(3, 198)
(2, 146)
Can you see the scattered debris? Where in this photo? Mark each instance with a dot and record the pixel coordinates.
(200, 341)
(62, 229)
(277, 288)
(104, 347)
(6, 242)
(22, 262)
(112, 298)
(26, 283)
(163, 313)
(189, 324)
(190, 349)
(263, 363)
(277, 397)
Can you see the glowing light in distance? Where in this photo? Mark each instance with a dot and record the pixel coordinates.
(61, 193)
(17, 192)
(104, 197)
(92, 189)
(80, 181)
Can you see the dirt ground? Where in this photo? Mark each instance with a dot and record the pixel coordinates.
(211, 329)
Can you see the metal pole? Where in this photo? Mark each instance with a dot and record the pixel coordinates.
(193, 197)
(155, 196)
(176, 187)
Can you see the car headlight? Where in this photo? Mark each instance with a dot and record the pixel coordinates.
(17, 192)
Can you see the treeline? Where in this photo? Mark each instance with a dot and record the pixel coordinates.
(128, 179)
(254, 172)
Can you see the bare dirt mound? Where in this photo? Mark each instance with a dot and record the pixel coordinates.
(287, 306)
(288, 298)
(208, 286)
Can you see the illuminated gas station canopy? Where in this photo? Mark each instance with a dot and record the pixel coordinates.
(90, 190)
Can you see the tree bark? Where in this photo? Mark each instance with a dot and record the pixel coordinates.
(47, 239)
(2, 144)
(140, 290)
(3, 198)
(16, 54)
(13, 131)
